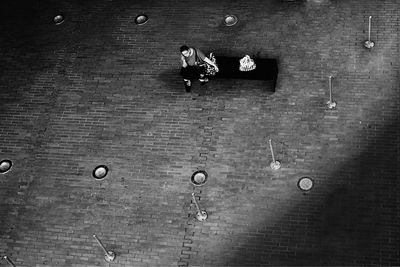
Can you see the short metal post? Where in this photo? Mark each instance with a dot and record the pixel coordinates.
(9, 261)
(201, 215)
(369, 44)
(331, 104)
(109, 255)
(275, 165)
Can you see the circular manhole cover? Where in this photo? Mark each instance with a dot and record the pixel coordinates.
(5, 165)
(58, 19)
(230, 20)
(199, 178)
(141, 19)
(305, 183)
(100, 172)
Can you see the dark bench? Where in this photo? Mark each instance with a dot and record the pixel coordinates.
(266, 69)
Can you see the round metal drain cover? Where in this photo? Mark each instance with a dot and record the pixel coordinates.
(58, 19)
(199, 178)
(305, 183)
(141, 19)
(230, 20)
(100, 172)
(5, 165)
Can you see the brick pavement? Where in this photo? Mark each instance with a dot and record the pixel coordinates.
(99, 89)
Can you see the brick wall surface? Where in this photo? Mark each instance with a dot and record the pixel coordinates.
(99, 89)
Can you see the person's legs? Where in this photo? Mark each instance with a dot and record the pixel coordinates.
(203, 79)
(190, 73)
(188, 84)
(187, 74)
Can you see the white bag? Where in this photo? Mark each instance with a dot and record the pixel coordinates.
(247, 64)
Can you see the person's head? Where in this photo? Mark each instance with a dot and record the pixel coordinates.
(185, 50)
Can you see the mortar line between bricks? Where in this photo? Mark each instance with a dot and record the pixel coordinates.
(184, 257)
(207, 127)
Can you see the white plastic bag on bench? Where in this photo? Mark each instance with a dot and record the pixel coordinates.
(247, 64)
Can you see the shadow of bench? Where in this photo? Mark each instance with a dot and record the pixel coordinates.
(266, 69)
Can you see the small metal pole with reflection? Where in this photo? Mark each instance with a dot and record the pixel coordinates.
(369, 44)
(9, 261)
(275, 165)
(109, 255)
(201, 215)
(331, 104)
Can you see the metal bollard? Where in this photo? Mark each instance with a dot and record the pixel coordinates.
(369, 44)
(331, 103)
(9, 261)
(109, 255)
(275, 165)
(201, 215)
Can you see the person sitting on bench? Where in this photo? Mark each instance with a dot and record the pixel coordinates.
(193, 66)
